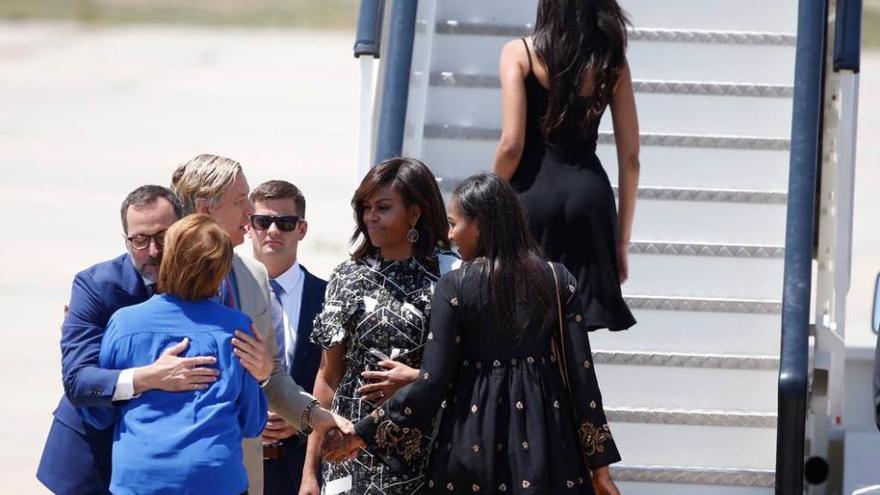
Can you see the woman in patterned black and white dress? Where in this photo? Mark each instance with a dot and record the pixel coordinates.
(377, 306)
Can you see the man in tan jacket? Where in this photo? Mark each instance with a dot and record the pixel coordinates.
(217, 186)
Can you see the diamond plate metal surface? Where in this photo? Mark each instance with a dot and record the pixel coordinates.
(447, 79)
(706, 141)
(458, 132)
(686, 360)
(451, 26)
(681, 194)
(713, 88)
(711, 195)
(470, 133)
(716, 37)
(660, 303)
(694, 475)
(703, 249)
(738, 419)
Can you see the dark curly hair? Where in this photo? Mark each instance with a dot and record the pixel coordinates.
(417, 186)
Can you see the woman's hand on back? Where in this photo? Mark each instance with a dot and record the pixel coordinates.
(173, 373)
(395, 376)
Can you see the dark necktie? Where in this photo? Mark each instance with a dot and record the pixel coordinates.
(279, 332)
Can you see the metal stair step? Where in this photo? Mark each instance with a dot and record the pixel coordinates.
(706, 249)
(694, 62)
(742, 15)
(686, 360)
(647, 415)
(719, 277)
(715, 305)
(715, 222)
(707, 114)
(710, 195)
(463, 132)
(638, 488)
(683, 194)
(450, 79)
(695, 332)
(478, 28)
(672, 390)
(691, 167)
(694, 475)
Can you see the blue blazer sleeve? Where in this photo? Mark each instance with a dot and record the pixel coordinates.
(252, 404)
(85, 383)
(104, 417)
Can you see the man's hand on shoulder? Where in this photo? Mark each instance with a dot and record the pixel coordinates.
(254, 354)
(173, 373)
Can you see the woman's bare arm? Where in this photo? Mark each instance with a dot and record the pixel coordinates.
(626, 137)
(512, 71)
(329, 376)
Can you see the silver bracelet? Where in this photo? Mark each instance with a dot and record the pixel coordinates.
(305, 422)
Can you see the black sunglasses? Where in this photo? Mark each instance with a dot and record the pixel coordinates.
(284, 223)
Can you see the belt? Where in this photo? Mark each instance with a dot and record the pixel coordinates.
(277, 450)
(274, 450)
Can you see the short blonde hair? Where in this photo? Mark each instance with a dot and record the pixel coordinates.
(196, 258)
(204, 177)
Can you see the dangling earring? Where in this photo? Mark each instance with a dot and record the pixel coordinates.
(412, 235)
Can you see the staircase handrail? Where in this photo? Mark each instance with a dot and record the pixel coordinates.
(805, 154)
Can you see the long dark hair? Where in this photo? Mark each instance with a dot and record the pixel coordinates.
(516, 272)
(417, 186)
(571, 37)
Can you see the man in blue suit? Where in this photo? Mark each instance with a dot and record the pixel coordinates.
(276, 227)
(76, 458)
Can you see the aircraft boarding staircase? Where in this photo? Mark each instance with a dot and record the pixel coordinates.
(691, 390)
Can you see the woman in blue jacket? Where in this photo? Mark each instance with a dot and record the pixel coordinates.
(183, 442)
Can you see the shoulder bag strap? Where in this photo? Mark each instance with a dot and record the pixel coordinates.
(558, 339)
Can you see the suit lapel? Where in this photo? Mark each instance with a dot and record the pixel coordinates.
(131, 282)
(243, 290)
(309, 307)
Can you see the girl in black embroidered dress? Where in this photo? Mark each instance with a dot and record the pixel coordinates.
(378, 305)
(508, 424)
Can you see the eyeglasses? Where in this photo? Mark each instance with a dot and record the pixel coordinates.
(284, 223)
(142, 241)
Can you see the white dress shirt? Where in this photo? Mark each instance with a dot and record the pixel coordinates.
(285, 317)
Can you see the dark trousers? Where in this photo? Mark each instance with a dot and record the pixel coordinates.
(282, 476)
(75, 462)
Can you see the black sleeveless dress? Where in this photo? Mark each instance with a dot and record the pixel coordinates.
(571, 209)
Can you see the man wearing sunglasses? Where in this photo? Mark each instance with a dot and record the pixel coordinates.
(76, 458)
(276, 228)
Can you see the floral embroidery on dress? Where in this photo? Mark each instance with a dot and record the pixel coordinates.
(406, 442)
(593, 438)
